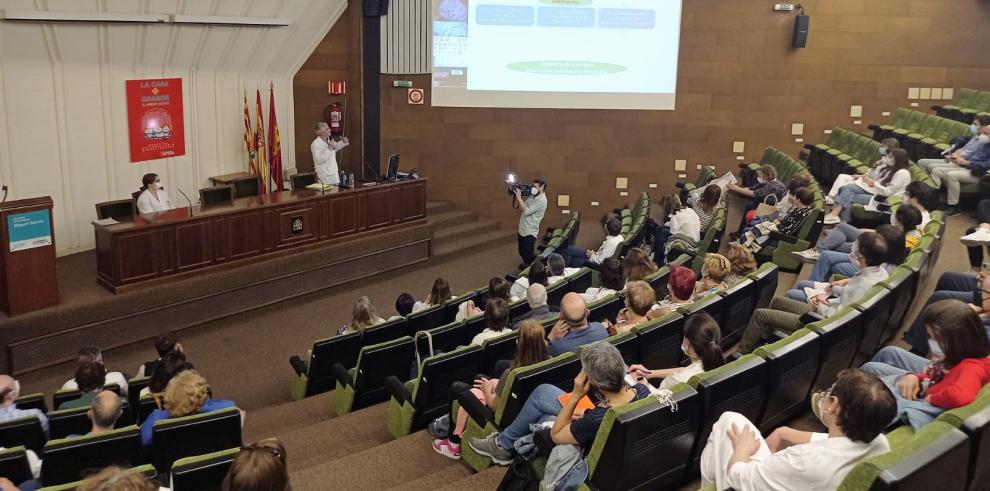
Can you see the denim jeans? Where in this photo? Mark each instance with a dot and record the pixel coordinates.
(542, 405)
(951, 285)
(840, 238)
(575, 256)
(849, 195)
(660, 238)
(890, 364)
(831, 262)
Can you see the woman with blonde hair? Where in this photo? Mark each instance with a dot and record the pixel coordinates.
(186, 394)
(741, 263)
(116, 479)
(713, 273)
(260, 466)
(363, 316)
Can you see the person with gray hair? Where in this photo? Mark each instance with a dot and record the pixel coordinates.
(557, 269)
(602, 380)
(536, 297)
(325, 149)
(104, 412)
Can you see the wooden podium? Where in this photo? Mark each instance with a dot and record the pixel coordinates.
(27, 256)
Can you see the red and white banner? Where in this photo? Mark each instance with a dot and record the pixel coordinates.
(337, 87)
(154, 118)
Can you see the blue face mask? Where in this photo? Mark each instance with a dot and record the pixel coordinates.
(974, 129)
(935, 348)
(883, 151)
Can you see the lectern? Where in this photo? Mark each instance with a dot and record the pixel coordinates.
(27, 256)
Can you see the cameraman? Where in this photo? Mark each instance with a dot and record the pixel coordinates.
(533, 208)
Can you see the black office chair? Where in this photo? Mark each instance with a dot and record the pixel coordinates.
(247, 186)
(302, 179)
(216, 195)
(120, 208)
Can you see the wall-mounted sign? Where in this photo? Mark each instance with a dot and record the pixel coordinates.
(416, 96)
(154, 118)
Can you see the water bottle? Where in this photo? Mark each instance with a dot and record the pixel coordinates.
(350, 179)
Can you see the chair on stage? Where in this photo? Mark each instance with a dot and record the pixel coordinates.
(120, 208)
(216, 195)
(302, 179)
(247, 186)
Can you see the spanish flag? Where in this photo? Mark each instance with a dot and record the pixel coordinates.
(249, 139)
(259, 146)
(275, 147)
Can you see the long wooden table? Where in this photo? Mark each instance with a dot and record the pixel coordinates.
(185, 241)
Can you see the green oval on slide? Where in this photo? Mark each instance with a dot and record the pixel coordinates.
(566, 67)
(567, 3)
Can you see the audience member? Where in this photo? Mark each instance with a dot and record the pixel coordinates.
(537, 275)
(573, 329)
(104, 412)
(876, 171)
(602, 373)
(714, 271)
(116, 479)
(94, 355)
(498, 287)
(783, 206)
(10, 390)
(164, 344)
(759, 237)
(964, 287)
(924, 389)
(636, 265)
(578, 257)
(963, 166)
(834, 262)
(742, 263)
(702, 345)
(173, 364)
(891, 181)
(531, 348)
(610, 278)
(855, 411)
(785, 313)
(766, 185)
(536, 297)
(557, 269)
(705, 204)
(680, 288)
(404, 305)
(187, 393)
(363, 316)
(90, 379)
(496, 320)
(260, 466)
(639, 300)
(439, 295)
(978, 237)
(680, 227)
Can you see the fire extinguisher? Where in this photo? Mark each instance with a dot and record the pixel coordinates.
(334, 115)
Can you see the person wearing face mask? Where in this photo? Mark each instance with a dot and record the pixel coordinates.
(963, 146)
(964, 166)
(784, 313)
(533, 208)
(886, 159)
(855, 410)
(153, 197)
(892, 180)
(925, 388)
(325, 149)
(701, 344)
(578, 257)
(979, 236)
(681, 226)
(973, 290)
(10, 390)
(766, 185)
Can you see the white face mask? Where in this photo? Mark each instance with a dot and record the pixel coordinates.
(158, 185)
(821, 410)
(974, 128)
(854, 260)
(935, 348)
(760, 180)
(984, 138)
(883, 151)
(17, 389)
(685, 350)
(535, 190)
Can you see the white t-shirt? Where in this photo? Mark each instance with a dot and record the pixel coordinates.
(683, 375)
(111, 378)
(148, 203)
(480, 338)
(606, 250)
(592, 294)
(685, 222)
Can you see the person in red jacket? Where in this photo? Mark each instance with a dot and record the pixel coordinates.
(926, 388)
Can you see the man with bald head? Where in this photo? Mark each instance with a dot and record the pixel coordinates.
(573, 329)
(104, 412)
(10, 389)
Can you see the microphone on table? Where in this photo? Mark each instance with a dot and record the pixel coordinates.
(323, 186)
(188, 200)
(4, 200)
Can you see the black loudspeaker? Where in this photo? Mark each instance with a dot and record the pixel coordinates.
(800, 38)
(375, 8)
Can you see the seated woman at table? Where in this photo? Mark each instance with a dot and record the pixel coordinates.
(153, 197)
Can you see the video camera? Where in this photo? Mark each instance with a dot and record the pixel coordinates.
(525, 190)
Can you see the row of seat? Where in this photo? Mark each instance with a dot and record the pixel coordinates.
(967, 105)
(923, 135)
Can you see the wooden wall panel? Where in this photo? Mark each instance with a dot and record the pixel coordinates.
(738, 79)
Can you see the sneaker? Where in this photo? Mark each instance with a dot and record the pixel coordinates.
(447, 449)
(976, 239)
(831, 219)
(951, 211)
(488, 446)
(829, 200)
(809, 256)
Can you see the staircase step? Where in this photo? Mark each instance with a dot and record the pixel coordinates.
(438, 206)
(450, 218)
(331, 438)
(281, 418)
(443, 477)
(486, 479)
(400, 462)
(472, 244)
(444, 235)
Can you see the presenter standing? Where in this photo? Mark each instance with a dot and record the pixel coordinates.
(153, 197)
(533, 208)
(324, 150)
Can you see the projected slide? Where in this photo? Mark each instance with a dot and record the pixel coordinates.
(596, 54)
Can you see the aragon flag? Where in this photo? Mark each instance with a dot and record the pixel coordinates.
(274, 142)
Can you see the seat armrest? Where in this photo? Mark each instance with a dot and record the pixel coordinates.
(873, 127)
(298, 365)
(478, 411)
(936, 107)
(511, 277)
(779, 237)
(341, 373)
(808, 146)
(811, 317)
(397, 389)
